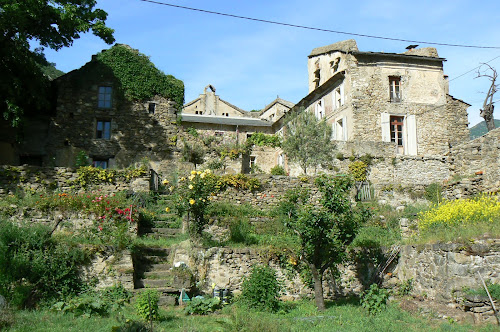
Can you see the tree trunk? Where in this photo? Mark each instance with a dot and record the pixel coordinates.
(318, 287)
(487, 114)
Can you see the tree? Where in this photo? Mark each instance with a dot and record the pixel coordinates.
(308, 141)
(194, 154)
(487, 111)
(53, 24)
(324, 231)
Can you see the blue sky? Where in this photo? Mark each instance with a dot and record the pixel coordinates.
(250, 63)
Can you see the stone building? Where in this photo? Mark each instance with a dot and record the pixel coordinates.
(93, 115)
(398, 98)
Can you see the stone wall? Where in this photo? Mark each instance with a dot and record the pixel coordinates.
(110, 269)
(439, 270)
(480, 156)
(34, 178)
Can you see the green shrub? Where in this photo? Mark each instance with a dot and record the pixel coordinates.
(202, 306)
(278, 170)
(433, 193)
(375, 299)
(82, 159)
(241, 232)
(261, 290)
(34, 266)
(91, 303)
(494, 290)
(6, 317)
(147, 304)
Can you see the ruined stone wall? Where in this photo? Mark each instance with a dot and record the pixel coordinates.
(136, 132)
(481, 156)
(33, 178)
(439, 270)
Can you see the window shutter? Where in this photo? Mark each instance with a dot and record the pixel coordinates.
(386, 131)
(342, 94)
(344, 128)
(411, 124)
(334, 130)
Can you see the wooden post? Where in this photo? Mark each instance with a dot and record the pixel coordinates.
(489, 296)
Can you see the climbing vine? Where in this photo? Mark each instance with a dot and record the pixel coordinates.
(138, 76)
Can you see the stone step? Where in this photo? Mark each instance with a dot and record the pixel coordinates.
(157, 283)
(158, 274)
(166, 224)
(153, 260)
(159, 267)
(164, 230)
(154, 251)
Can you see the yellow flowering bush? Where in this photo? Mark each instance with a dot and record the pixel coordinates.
(461, 212)
(195, 194)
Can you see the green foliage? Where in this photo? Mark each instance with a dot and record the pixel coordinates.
(22, 22)
(241, 232)
(89, 175)
(34, 266)
(406, 287)
(278, 170)
(100, 303)
(308, 141)
(138, 77)
(261, 290)
(326, 231)
(146, 304)
(375, 299)
(493, 288)
(193, 132)
(433, 192)
(202, 306)
(82, 159)
(261, 139)
(358, 170)
(239, 181)
(194, 154)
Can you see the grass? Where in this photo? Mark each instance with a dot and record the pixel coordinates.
(295, 316)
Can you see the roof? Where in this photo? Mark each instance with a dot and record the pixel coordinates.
(345, 46)
(225, 120)
(400, 56)
(278, 100)
(231, 105)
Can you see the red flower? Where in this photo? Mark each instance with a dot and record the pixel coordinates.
(100, 228)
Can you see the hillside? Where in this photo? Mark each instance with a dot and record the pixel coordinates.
(480, 129)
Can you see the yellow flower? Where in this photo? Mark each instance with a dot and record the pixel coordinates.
(190, 186)
(202, 175)
(193, 172)
(198, 172)
(192, 201)
(165, 182)
(183, 179)
(207, 171)
(171, 188)
(191, 177)
(167, 209)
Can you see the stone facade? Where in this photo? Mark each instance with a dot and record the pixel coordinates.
(93, 116)
(361, 94)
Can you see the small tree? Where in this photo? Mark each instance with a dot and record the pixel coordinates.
(194, 154)
(324, 231)
(308, 141)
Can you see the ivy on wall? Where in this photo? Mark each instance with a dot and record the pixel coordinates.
(138, 76)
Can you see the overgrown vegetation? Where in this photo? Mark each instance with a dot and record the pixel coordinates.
(36, 267)
(138, 77)
(261, 290)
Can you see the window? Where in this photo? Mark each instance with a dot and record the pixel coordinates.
(252, 161)
(281, 160)
(101, 163)
(339, 129)
(338, 97)
(317, 78)
(395, 88)
(151, 108)
(319, 110)
(103, 129)
(396, 128)
(104, 97)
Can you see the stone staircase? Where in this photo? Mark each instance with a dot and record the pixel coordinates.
(152, 265)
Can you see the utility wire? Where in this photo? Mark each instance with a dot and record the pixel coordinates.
(474, 68)
(317, 29)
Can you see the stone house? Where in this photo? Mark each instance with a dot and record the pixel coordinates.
(210, 115)
(93, 115)
(400, 99)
